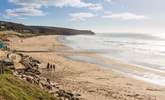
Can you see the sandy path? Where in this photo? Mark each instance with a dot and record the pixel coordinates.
(91, 80)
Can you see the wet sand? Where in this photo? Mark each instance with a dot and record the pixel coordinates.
(93, 80)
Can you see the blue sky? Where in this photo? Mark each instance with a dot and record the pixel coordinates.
(145, 16)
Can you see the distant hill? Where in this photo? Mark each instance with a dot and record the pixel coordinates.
(41, 30)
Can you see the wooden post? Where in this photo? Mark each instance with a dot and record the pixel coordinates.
(1, 67)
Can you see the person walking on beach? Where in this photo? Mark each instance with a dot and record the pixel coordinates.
(51, 66)
(54, 66)
(48, 66)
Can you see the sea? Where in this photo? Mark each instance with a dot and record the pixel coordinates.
(145, 51)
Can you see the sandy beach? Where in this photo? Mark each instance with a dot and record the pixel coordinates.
(91, 80)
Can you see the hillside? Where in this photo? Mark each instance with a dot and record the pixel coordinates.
(12, 88)
(40, 30)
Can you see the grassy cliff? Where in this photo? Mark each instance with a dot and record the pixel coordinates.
(12, 88)
(41, 30)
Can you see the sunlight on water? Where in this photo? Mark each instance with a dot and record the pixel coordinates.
(147, 51)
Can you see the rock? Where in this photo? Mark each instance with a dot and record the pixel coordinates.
(67, 95)
(70, 94)
(2, 54)
(32, 75)
(8, 62)
(14, 57)
(29, 73)
(60, 93)
(77, 95)
(29, 79)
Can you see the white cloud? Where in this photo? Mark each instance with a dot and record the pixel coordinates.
(24, 12)
(57, 3)
(33, 7)
(125, 16)
(81, 16)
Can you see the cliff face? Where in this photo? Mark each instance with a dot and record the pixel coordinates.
(41, 30)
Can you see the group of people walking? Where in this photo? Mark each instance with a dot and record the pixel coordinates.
(51, 66)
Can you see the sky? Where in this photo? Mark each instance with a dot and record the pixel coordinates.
(138, 16)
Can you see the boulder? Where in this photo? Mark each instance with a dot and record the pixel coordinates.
(2, 54)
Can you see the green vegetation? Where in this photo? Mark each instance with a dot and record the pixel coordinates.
(40, 30)
(12, 88)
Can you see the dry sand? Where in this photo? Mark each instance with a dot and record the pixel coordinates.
(93, 81)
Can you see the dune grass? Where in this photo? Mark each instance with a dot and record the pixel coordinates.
(12, 88)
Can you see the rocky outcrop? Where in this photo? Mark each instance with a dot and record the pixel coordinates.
(47, 85)
(30, 73)
(41, 30)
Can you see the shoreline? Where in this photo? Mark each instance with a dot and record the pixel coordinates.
(140, 72)
(91, 80)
